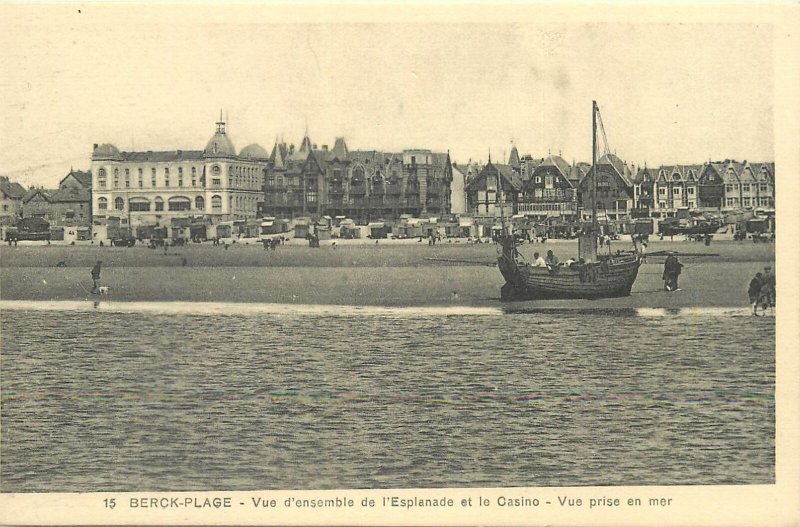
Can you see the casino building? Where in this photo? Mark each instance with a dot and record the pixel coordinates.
(188, 191)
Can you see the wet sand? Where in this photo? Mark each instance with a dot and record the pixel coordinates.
(390, 275)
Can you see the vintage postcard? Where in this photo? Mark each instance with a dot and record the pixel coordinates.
(373, 264)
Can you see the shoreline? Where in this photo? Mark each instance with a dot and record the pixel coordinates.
(359, 275)
(720, 285)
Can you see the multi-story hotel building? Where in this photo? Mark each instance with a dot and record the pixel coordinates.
(364, 185)
(201, 187)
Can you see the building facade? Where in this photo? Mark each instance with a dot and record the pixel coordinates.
(364, 185)
(615, 192)
(11, 195)
(205, 187)
(716, 187)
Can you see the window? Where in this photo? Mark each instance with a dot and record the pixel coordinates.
(166, 177)
(311, 196)
(745, 202)
(662, 204)
(690, 191)
(271, 181)
(662, 191)
(116, 177)
(538, 179)
(180, 176)
(548, 181)
(127, 178)
(153, 177)
(101, 178)
(279, 181)
(138, 205)
(728, 188)
(178, 203)
(762, 187)
(141, 178)
(159, 204)
(676, 191)
(102, 204)
(199, 203)
(194, 176)
(729, 202)
(745, 187)
(119, 204)
(216, 182)
(216, 202)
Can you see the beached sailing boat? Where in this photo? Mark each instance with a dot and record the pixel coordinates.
(593, 276)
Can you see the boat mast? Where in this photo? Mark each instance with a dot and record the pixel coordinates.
(594, 168)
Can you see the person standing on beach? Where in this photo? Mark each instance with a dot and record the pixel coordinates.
(767, 288)
(754, 291)
(95, 276)
(672, 268)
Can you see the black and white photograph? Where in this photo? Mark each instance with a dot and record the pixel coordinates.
(368, 264)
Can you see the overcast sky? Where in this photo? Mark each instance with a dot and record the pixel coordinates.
(668, 93)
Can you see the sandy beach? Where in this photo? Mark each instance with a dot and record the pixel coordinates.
(392, 274)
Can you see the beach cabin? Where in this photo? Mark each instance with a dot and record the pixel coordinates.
(378, 230)
(302, 228)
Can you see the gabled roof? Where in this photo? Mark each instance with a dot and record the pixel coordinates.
(645, 175)
(12, 189)
(506, 172)
(32, 193)
(557, 162)
(83, 177)
(617, 164)
(339, 150)
(71, 195)
(278, 156)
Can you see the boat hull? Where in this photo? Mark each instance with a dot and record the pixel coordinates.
(613, 277)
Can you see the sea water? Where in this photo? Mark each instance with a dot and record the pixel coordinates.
(181, 396)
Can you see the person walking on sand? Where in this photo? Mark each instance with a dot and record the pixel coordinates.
(672, 268)
(96, 276)
(643, 253)
(754, 292)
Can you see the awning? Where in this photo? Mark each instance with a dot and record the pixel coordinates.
(376, 225)
(341, 217)
(465, 222)
(267, 223)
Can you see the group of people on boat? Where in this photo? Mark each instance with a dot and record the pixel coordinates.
(761, 290)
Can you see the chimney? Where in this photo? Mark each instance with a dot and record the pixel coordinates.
(314, 146)
(325, 148)
(94, 147)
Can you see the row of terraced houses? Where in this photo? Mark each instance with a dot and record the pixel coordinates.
(199, 188)
(554, 191)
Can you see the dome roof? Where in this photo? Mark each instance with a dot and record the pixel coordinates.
(254, 151)
(106, 151)
(219, 145)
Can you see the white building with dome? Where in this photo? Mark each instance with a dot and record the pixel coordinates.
(188, 191)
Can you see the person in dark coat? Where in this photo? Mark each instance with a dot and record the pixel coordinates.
(95, 276)
(672, 269)
(767, 288)
(754, 291)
